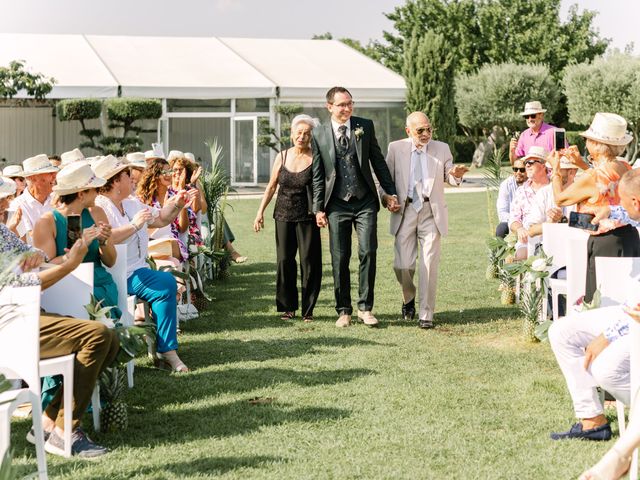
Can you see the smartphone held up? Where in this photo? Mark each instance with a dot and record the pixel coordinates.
(74, 229)
(559, 139)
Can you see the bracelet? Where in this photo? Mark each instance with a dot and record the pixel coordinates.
(134, 226)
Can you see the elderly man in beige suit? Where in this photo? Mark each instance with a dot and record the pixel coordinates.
(419, 167)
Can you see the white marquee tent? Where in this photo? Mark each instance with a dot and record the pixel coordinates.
(209, 86)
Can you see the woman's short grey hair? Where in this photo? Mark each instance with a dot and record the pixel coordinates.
(303, 118)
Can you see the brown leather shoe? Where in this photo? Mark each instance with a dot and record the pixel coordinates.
(344, 320)
(368, 318)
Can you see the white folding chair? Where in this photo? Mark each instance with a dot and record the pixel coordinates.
(19, 355)
(554, 244)
(56, 299)
(576, 266)
(617, 279)
(126, 302)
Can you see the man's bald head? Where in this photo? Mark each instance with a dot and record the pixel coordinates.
(629, 190)
(418, 129)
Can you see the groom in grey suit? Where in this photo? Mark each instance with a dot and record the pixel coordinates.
(419, 167)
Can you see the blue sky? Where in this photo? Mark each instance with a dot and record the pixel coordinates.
(360, 19)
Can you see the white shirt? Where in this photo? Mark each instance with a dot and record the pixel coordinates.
(138, 243)
(423, 166)
(335, 125)
(31, 208)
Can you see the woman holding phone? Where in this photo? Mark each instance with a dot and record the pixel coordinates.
(77, 215)
(607, 138)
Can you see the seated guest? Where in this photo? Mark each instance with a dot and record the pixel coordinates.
(94, 345)
(55, 160)
(607, 138)
(534, 162)
(182, 170)
(14, 172)
(35, 201)
(152, 191)
(544, 208)
(506, 194)
(592, 348)
(137, 165)
(539, 132)
(77, 190)
(7, 192)
(129, 219)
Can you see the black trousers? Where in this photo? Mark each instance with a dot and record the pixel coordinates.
(621, 242)
(343, 218)
(304, 238)
(502, 230)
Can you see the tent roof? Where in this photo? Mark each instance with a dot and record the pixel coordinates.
(306, 69)
(200, 67)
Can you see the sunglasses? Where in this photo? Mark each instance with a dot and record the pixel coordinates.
(532, 115)
(519, 169)
(529, 163)
(166, 172)
(422, 130)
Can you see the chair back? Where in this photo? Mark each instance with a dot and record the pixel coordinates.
(554, 244)
(69, 295)
(119, 273)
(20, 334)
(576, 265)
(618, 279)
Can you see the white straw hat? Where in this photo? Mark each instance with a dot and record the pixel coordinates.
(190, 156)
(136, 159)
(173, 154)
(155, 152)
(13, 171)
(608, 128)
(38, 165)
(535, 152)
(109, 166)
(533, 107)
(74, 155)
(7, 187)
(75, 178)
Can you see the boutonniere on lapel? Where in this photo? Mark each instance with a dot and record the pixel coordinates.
(358, 132)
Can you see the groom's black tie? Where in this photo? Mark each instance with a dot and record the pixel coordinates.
(342, 138)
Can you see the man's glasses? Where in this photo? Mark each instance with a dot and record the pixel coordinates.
(422, 130)
(519, 169)
(530, 163)
(532, 115)
(343, 105)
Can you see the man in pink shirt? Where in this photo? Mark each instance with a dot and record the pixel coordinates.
(539, 133)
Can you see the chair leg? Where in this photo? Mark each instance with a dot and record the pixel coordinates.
(5, 429)
(36, 414)
(95, 407)
(67, 390)
(130, 367)
(621, 418)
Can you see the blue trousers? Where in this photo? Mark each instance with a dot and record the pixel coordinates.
(159, 289)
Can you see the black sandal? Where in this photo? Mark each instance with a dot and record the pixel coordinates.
(287, 315)
(307, 318)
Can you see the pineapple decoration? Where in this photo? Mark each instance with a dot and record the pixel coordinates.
(507, 286)
(114, 416)
(493, 267)
(500, 252)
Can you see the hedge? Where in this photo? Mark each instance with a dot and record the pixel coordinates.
(128, 110)
(79, 109)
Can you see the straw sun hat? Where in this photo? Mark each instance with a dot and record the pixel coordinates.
(608, 128)
(137, 160)
(38, 165)
(77, 177)
(531, 108)
(109, 166)
(7, 187)
(12, 171)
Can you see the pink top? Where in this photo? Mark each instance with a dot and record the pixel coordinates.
(527, 139)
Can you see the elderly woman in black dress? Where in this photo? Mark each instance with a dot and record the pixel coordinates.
(296, 229)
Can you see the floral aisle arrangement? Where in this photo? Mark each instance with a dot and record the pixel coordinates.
(534, 271)
(501, 252)
(114, 416)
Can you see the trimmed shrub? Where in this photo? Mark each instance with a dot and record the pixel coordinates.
(128, 110)
(79, 109)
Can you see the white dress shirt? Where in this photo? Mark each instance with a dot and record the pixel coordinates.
(31, 208)
(335, 125)
(423, 165)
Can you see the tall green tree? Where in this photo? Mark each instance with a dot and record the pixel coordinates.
(496, 31)
(609, 84)
(16, 78)
(429, 71)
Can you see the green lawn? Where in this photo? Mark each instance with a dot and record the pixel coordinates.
(467, 400)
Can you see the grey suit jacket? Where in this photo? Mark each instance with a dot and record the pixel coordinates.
(439, 161)
(369, 157)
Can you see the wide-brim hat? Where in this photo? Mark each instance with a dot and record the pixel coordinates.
(77, 177)
(136, 160)
(608, 128)
(12, 171)
(156, 151)
(539, 153)
(74, 155)
(7, 187)
(173, 154)
(109, 166)
(38, 165)
(190, 156)
(533, 107)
